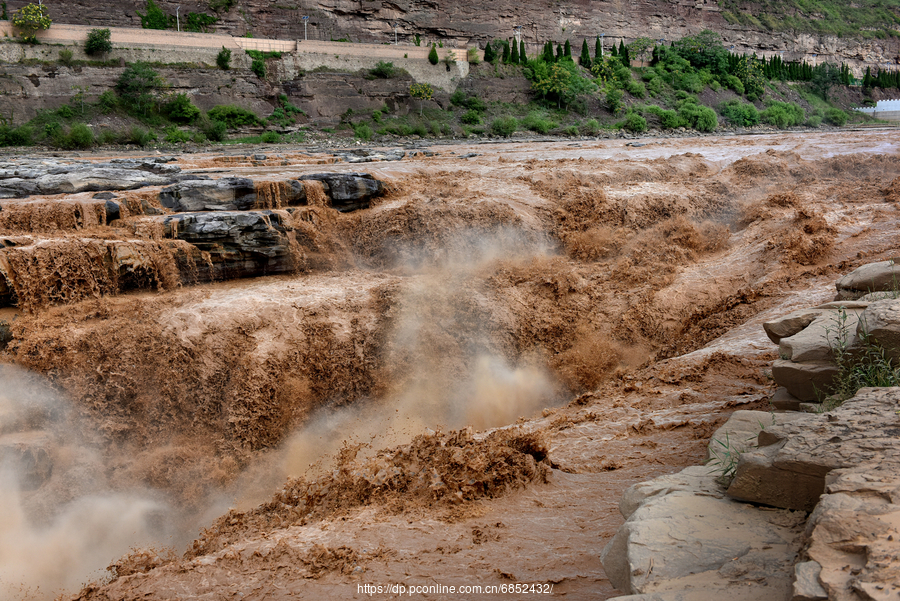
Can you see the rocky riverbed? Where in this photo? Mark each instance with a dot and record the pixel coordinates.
(442, 366)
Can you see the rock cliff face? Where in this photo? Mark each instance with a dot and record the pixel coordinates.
(471, 22)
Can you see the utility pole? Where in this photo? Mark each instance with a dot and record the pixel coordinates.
(602, 39)
(177, 18)
(305, 21)
(394, 25)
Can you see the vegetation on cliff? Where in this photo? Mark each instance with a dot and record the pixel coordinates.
(864, 18)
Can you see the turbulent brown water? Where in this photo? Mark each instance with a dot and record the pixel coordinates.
(477, 293)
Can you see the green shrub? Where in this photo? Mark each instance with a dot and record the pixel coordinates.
(814, 121)
(420, 130)
(176, 136)
(136, 86)
(363, 131)
(232, 116)
(741, 114)
(19, 136)
(614, 100)
(198, 22)
(65, 111)
(223, 59)
(504, 126)
(635, 123)
(654, 86)
(98, 42)
(140, 136)
(270, 137)
(220, 6)
(108, 101)
(471, 118)
(258, 66)
(215, 131)
(690, 82)
(783, 114)
(836, 117)
(180, 109)
(433, 56)
(734, 83)
(538, 122)
(80, 136)
(667, 119)
(571, 130)
(376, 116)
(107, 137)
(383, 70)
(591, 127)
(472, 56)
(65, 56)
(706, 120)
(636, 88)
(154, 18)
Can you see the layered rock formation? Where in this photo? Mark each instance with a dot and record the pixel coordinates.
(195, 229)
(470, 22)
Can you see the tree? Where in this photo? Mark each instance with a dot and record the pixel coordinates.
(623, 54)
(154, 18)
(559, 52)
(824, 77)
(98, 42)
(30, 19)
(223, 59)
(523, 58)
(489, 55)
(505, 57)
(137, 84)
(423, 92)
(547, 55)
(433, 55)
(598, 49)
(562, 82)
(514, 55)
(585, 59)
(567, 50)
(639, 47)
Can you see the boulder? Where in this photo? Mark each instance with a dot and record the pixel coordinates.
(880, 322)
(348, 191)
(789, 468)
(367, 155)
(239, 244)
(874, 277)
(685, 537)
(806, 582)
(805, 381)
(95, 179)
(225, 194)
(852, 536)
(783, 400)
(816, 342)
(790, 324)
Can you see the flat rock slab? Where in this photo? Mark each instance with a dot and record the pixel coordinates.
(230, 194)
(789, 469)
(881, 323)
(348, 191)
(873, 277)
(806, 381)
(816, 342)
(686, 536)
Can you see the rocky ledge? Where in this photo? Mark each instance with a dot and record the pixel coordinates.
(792, 506)
(190, 229)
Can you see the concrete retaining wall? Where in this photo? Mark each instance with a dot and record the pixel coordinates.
(150, 45)
(889, 110)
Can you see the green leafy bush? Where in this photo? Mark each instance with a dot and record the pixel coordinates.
(636, 88)
(742, 114)
(80, 136)
(180, 109)
(258, 66)
(136, 86)
(538, 122)
(98, 42)
(783, 114)
(19, 136)
(635, 123)
(433, 55)
(504, 126)
(383, 70)
(836, 117)
(215, 131)
(655, 86)
(140, 136)
(223, 59)
(232, 116)
(270, 137)
(108, 101)
(30, 19)
(471, 118)
(154, 18)
(814, 121)
(667, 119)
(734, 84)
(363, 131)
(176, 136)
(198, 22)
(591, 127)
(571, 130)
(614, 100)
(65, 56)
(65, 111)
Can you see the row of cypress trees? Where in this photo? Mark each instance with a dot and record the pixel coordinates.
(508, 52)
